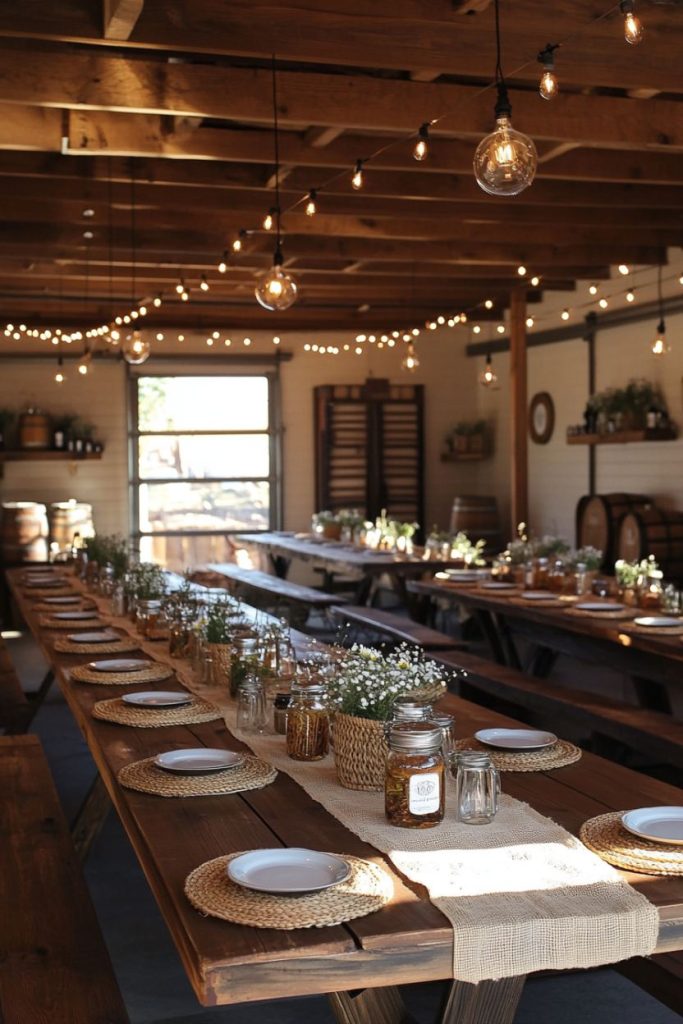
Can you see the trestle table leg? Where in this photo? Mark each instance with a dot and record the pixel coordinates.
(91, 816)
(489, 1002)
(370, 1006)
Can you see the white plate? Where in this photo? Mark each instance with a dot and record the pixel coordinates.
(516, 739)
(158, 698)
(599, 606)
(199, 761)
(498, 585)
(659, 622)
(537, 595)
(93, 638)
(62, 600)
(460, 575)
(75, 615)
(49, 581)
(660, 824)
(288, 871)
(120, 665)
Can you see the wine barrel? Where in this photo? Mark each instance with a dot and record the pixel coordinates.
(598, 517)
(68, 518)
(34, 430)
(652, 531)
(477, 516)
(23, 532)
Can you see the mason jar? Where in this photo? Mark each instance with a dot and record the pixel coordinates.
(414, 790)
(308, 723)
(147, 612)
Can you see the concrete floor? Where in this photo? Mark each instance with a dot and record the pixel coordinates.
(147, 966)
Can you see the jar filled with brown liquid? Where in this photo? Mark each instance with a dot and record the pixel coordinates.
(308, 723)
(414, 792)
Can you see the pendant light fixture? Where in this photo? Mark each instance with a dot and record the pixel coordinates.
(548, 87)
(276, 290)
(658, 345)
(488, 378)
(60, 376)
(421, 148)
(633, 29)
(505, 161)
(410, 361)
(135, 347)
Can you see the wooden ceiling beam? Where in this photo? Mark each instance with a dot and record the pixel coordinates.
(120, 17)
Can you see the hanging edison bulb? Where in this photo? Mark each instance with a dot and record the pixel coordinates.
(276, 290)
(548, 86)
(488, 376)
(85, 363)
(60, 376)
(505, 161)
(269, 219)
(135, 349)
(410, 362)
(421, 148)
(633, 29)
(659, 346)
(311, 208)
(357, 178)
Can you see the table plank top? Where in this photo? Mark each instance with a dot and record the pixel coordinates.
(407, 941)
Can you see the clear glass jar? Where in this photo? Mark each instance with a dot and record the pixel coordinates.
(251, 705)
(308, 723)
(651, 590)
(414, 791)
(408, 709)
(147, 614)
(477, 788)
(107, 580)
(447, 725)
(581, 579)
(541, 572)
(556, 576)
(244, 660)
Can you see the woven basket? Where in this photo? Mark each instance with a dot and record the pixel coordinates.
(360, 752)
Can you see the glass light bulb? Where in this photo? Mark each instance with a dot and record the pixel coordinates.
(311, 208)
(659, 346)
(420, 149)
(276, 290)
(548, 86)
(59, 377)
(488, 376)
(223, 265)
(357, 179)
(505, 161)
(268, 221)
(156, 301)
(633, 29)
(237, 245)
(410, 362)
(565, 314)
(204, 284)
(630, 296)
(135, 349)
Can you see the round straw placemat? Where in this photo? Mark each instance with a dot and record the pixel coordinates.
(606, 836)
(547, 602)
(118, 711)
(50, 609)
(147, 778)
(672, 631)
(579, 613)
(123, 646)
(49, 623)
(212, 893)
(49, 592)
(559, 755)
(156, 673)
(486, 592)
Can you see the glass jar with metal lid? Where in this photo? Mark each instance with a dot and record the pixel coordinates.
(414, 781)
(308, 723)
(408, 709)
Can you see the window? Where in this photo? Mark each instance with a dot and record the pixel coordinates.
(204, 464)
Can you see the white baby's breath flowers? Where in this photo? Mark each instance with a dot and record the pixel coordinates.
(368, 681)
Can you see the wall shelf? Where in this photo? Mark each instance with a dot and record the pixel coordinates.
(625, 436)
(465, 456)
(45, 454)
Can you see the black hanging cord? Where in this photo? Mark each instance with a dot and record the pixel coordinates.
(110, 238)
(276, 146)
(500, 78)
(503, 107)
(661, 327)
(132, 232)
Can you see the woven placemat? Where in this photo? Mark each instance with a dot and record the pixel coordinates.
(50, 609)
(147, 778)
(547, 602)
(49, 592)
(606, 836)
(156, 673)
(212, 893)
(672, 631)
(486, 592)
(559, 755)
(123, 646)
(115, 710)
(94, 623)
(579, 613)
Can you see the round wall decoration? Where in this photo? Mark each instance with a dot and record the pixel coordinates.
(541, 418)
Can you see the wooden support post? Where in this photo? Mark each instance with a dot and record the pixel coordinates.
(369, 1006)
(518, 409)
(589, 338)
(489, 1002)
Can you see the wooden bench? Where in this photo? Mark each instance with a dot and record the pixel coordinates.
(54, 965)
(17, 709)
(279, 593)
(536, 701)
(396, 627)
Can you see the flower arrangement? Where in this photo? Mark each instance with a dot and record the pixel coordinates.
(367, 681)
(146, 582)
(220, 620)
(471, 553)
(629, 573)
(589, 556)
(108, 549)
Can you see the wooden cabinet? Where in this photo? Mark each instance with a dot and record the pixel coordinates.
(370, 448)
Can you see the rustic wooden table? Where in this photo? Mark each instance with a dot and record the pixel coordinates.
(357, 963)
(655, 662)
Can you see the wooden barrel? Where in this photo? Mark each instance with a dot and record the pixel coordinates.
(68, 518)
(23, 532)
(477, 516)
(651, 531)
(598, 517)
(34, 430)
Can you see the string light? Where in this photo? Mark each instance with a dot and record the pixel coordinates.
(535, 281)
(276, 340)
(237, 242)
(357, 178)
(410, 361)
(184, 296)
(548, 87)
(421, 148)
(488, 304)
(521, 270)
(501, 328)
(488, 377)
(630, 295)
(223, 262)
(530, 321)
(180, 287)
(658, 346)
(85, 363)
(60, 376)
(157, 300)
(592, 289)
(268, 220)
(203, 283)
(311, 208)
(564, 315)
(476, 329)
(633, 29)
(624, 270)
(136, 348)
(603, 303)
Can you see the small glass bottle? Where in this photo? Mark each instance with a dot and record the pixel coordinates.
(556, 576)
(280, 712)
(581, 579)
(541, 571)
(447, 725)
(308, 723)
(118, 600)
(251, 705)
(414, 791)
(477, 788)
(147, 615)
(651, 590)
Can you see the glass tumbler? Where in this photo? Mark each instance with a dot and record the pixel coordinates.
(477, 788)
(251, 706)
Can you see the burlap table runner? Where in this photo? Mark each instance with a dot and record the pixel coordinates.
(116, 710)
(145, 777)
(210, 891)
(559, 755)
(156, 673)
(607, 837)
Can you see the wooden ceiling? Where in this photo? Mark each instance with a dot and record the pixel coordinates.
(178, 94)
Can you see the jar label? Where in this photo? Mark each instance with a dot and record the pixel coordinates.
(424, 796)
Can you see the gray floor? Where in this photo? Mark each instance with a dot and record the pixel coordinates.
(150, 973)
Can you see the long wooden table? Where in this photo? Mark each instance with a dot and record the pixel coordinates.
(335, 557)
(407, 941)
(655, 662)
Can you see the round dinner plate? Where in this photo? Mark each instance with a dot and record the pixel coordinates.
(498, 585)
(599, 606)
(93, 638)
(158, 698)
(537, 595)
(288, 872)
(516, 739)
(120, 665)
(659, 824)
(62, 600)
(658, 622)
(47, 581)
(198, 761)
(71, 616)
